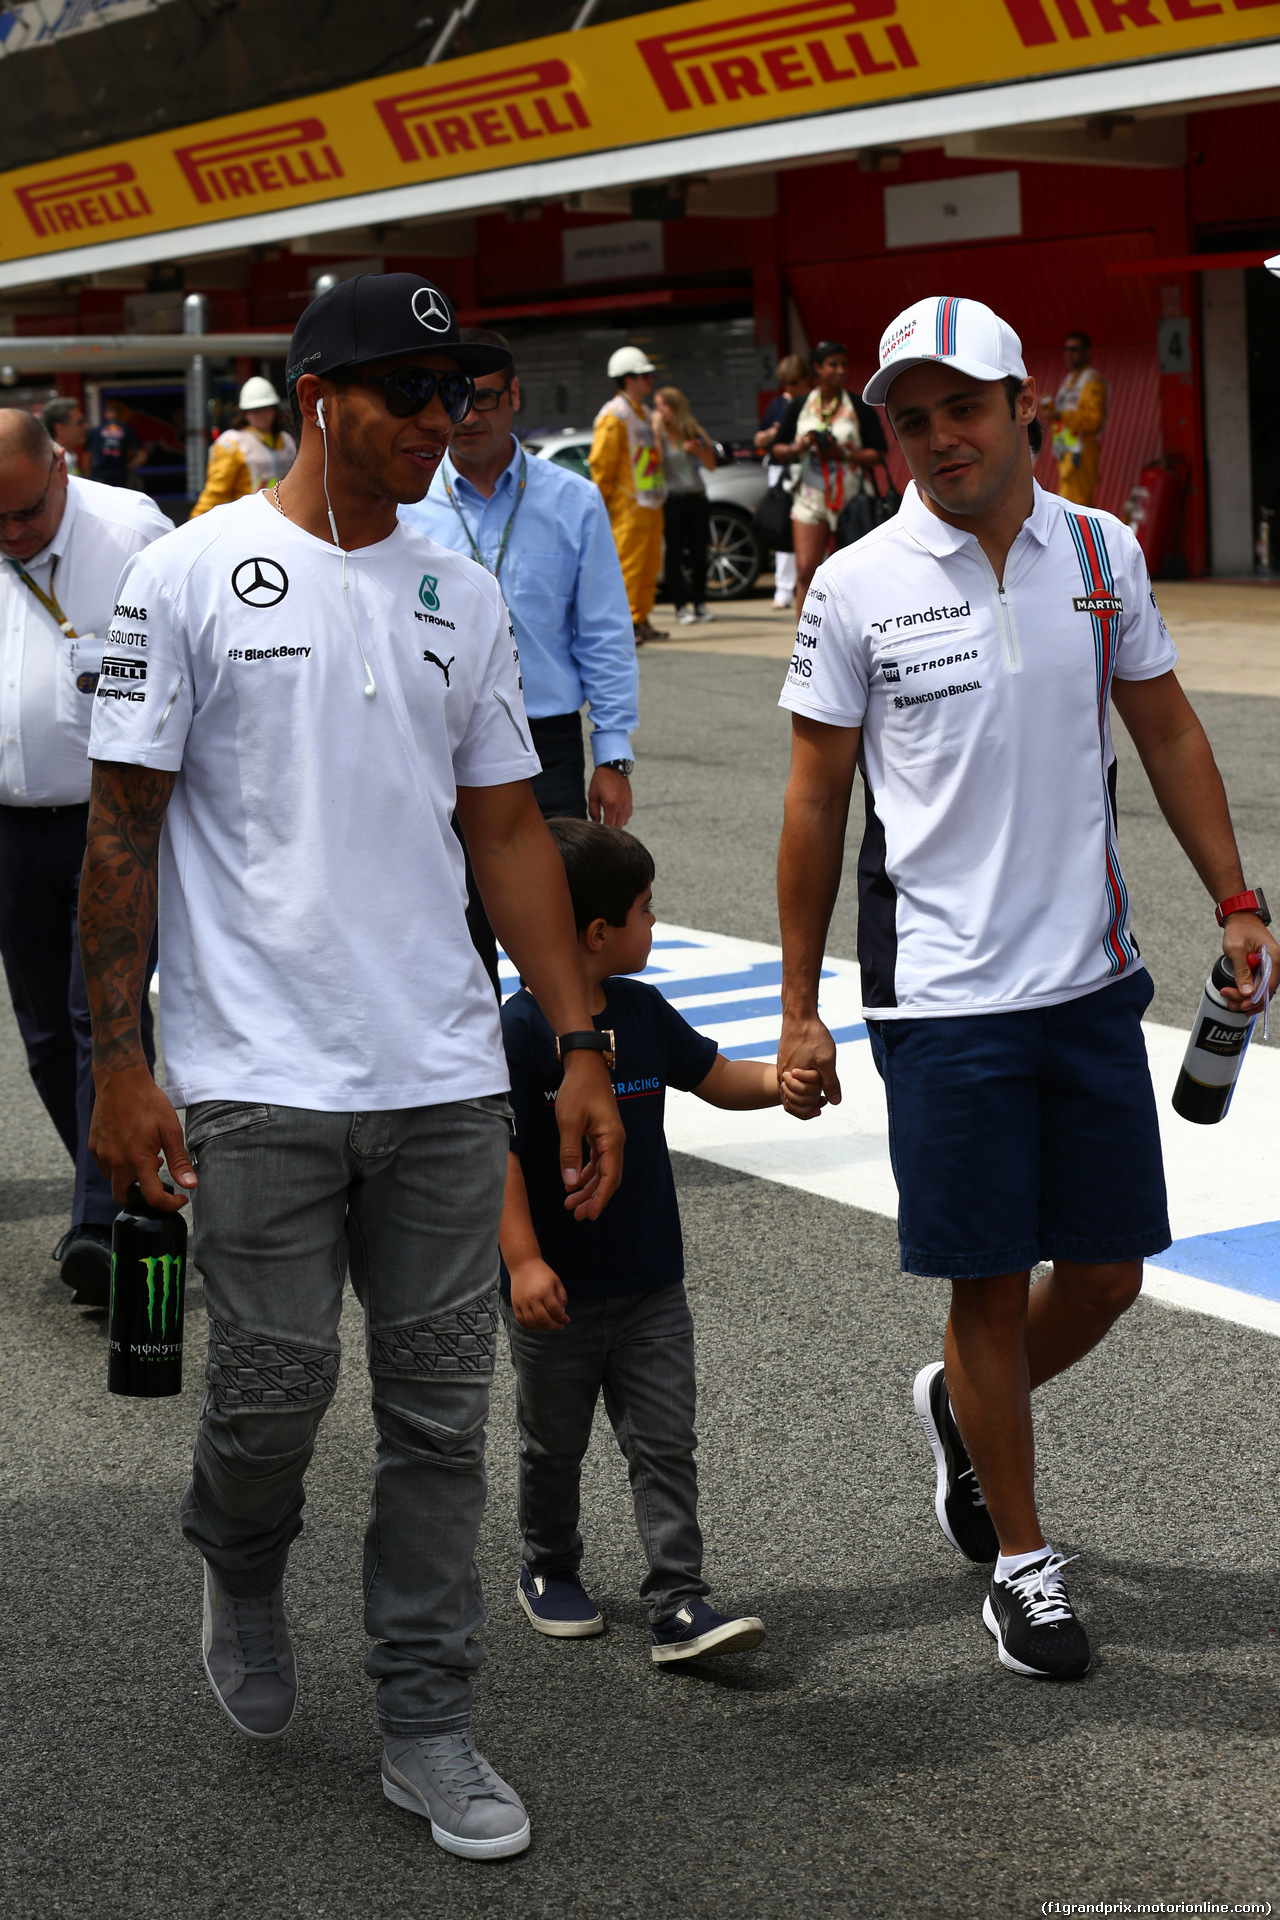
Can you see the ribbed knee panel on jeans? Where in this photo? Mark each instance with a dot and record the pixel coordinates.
(266, 1398)
(431, 1381)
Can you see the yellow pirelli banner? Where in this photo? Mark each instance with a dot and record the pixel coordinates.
(697, 68)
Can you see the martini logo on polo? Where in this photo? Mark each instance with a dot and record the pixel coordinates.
(431, 310)
(260, 582)
(427, 592)
(511, 106)
(781, 52)
(276, 159)
(77, 202)
(1097, 602)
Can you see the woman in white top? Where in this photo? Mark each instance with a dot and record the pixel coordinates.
(687, 449)
(253, 454)
(837, 443)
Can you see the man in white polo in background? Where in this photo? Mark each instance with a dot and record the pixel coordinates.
(321, 687)
(65, 543)
(965, 657)
(544, 535)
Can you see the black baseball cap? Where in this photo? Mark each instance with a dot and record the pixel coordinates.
(376, 315)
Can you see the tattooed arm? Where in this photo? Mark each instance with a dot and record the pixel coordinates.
(133, 1121)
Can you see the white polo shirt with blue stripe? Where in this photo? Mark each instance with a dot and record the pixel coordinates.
(989, 877)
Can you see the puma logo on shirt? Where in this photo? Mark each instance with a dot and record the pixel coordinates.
(436, 661)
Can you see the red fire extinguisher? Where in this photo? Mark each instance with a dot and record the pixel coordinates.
(1154, 507)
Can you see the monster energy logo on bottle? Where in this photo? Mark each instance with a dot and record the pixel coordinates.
(170, 1267)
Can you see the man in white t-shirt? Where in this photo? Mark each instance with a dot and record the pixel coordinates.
(63, 542)
(314, 688)
(964, 657)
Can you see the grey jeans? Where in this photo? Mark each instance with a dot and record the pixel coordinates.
(638, 1349)
(414, 1198)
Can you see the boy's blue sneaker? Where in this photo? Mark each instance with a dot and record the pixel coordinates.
(557, 1603)
(695, 1629)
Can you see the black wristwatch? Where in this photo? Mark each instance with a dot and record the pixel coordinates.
(625, 767)
(592, 1042)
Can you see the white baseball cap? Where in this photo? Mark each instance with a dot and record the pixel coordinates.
(629, 360)
(1273, 264)
(959, 333)
(258, 393)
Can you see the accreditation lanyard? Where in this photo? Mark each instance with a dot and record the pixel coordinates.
(47, 600)
(476, 554)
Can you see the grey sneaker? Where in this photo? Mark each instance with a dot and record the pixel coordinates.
(249, 1659)
(472, 1811)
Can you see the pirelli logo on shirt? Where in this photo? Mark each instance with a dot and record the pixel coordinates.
(119, 667)
(1097, 602)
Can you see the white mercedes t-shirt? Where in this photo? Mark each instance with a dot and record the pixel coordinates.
(313, 946)
(989, 877)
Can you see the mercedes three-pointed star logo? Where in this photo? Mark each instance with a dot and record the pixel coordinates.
(430, 310)
(260, 582)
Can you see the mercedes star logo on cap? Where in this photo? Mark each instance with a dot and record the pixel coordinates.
(430, 310)
(260, 582)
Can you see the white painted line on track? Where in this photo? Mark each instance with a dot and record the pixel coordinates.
(1224, 1181)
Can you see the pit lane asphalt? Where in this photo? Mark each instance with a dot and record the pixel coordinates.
(873, 1758)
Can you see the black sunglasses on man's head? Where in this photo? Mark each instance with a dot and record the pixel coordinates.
(407, 390)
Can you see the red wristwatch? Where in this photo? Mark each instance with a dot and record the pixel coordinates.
(1254, 902)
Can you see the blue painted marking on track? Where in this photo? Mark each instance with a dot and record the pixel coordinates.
(765, 1049)
(1247, 1258)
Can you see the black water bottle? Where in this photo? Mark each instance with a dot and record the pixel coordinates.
(1215, 1052)
(148, 1282)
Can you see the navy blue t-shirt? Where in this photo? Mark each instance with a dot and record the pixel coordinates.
(635, 1245)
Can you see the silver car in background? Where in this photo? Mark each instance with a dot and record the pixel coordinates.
(734, 491)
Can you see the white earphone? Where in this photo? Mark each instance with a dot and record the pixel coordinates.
(370, 684)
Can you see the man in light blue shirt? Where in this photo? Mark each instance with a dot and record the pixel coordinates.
(545, 534)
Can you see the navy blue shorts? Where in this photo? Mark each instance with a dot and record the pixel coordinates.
(1019, 1137)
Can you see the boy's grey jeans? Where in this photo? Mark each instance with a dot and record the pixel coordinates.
(636, 1349)
(414, 1198)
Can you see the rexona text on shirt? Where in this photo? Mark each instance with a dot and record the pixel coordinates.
(989, 876)
(315, 950)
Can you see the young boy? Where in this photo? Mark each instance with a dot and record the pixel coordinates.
(600, 1304)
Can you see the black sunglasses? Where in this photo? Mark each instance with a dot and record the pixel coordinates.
(407, 390)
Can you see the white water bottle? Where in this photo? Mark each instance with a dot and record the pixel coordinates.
(1215, 1052)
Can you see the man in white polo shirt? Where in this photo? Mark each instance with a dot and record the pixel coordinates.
(64, 543)
(964, 657)
(317, 687)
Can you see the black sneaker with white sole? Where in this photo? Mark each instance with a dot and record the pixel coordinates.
(1033, 1623)
(958, 1502)
(695, 1630)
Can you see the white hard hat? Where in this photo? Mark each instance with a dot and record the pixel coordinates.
(960, 333)
(629, 360)
(258, 393)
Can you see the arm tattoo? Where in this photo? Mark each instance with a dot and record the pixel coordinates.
(118, 902)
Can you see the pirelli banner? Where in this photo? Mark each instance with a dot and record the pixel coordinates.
(698, 68)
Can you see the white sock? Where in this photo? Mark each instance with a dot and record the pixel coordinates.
(1009, 1564)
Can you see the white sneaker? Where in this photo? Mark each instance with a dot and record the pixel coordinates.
(782, 606)
(685, 616)
(702, 615)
